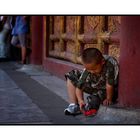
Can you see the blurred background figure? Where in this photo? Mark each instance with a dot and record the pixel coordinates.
(20, 31)
(5, 37)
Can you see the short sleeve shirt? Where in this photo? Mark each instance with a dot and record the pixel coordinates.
(90, 82)
(21, 26)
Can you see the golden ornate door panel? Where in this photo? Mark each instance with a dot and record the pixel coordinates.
(93, 26)
(55, 33)
(69, 38)
(69, 35)
(114, 30)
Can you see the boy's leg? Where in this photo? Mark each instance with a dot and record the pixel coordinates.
(92, 105)
(94, 102)
(73, 108)
(71, 92)
(72, 80)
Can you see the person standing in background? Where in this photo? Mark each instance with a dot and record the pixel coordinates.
(5, 37)
(20, 32)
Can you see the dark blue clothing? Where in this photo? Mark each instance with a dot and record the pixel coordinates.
(21, 26)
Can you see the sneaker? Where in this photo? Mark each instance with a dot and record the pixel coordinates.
(23, 68)
(73, 109)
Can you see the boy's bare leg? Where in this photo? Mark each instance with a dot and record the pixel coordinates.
(71, 92)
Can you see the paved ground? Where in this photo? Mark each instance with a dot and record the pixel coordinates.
(23, 100)
(32, 96)
(15, 105)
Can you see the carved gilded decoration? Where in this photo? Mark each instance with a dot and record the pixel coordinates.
(70, 51)
(114, 23)
(69, 35)
(92, 46)
(114, 50)
(92, 24)
(57, 24)
(56, 50)
(71, 24)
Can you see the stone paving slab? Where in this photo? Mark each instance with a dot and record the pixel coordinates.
(16, 106)
(48, 102)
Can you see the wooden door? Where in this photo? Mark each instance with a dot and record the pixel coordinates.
(69, 35)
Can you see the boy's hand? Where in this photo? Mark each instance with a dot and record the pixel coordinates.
(81, 104)
(107, 102)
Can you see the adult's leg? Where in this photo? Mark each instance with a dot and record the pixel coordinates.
(23, 44)
(16, 48)
(23, 55)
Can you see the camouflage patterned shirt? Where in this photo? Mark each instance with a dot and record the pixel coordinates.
(92, 83)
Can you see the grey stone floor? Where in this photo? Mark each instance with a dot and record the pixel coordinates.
(106, 115)
(25, 101)
(33, 96)
(16, 106)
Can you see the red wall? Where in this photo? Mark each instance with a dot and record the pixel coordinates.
(59, 67)
(37, 39)
(129, 81)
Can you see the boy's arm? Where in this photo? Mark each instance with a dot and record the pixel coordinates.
(79, 89)
(109, 84)
(80, 97)
(109, 94)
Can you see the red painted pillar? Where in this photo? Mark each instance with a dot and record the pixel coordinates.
(129, 81)
(37, 39)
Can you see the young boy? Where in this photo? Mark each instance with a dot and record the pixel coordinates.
(98, 79)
